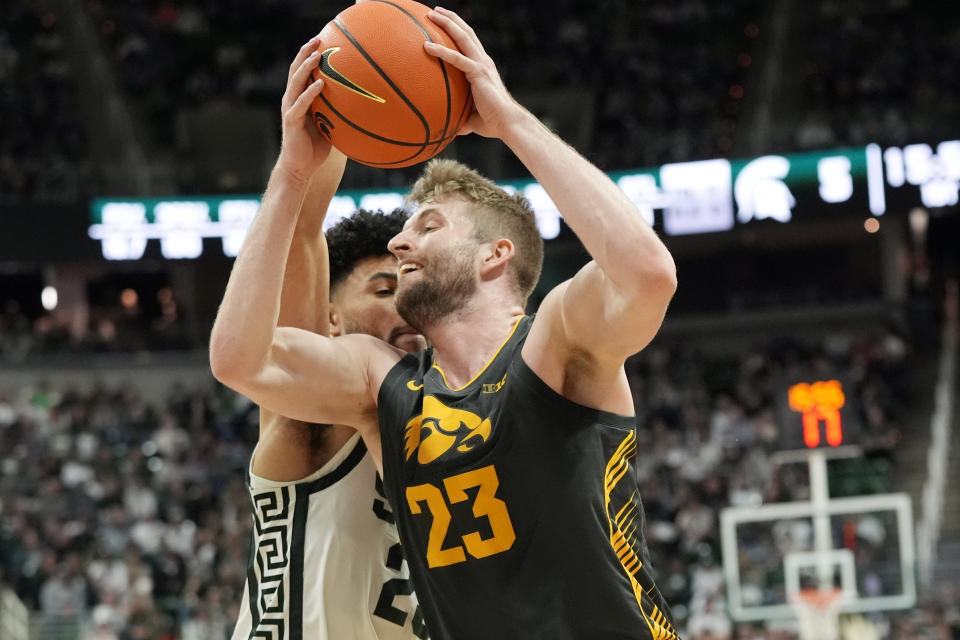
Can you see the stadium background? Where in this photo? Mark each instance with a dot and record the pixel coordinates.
(122, 507)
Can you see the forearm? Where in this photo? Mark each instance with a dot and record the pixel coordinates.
(607, 223)
(304, 298)
(242, 334)
(300, 299)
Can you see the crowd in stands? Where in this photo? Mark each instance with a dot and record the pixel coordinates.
(649, 73)
(666, 81)
(870, 69)
(43, 141)
(176, 55)
(671, 80)
(123, 519)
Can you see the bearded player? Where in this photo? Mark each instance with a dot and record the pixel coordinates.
(509, 448)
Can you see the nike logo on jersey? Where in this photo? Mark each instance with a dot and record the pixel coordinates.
(413, 386)
(440, 429)
(327, 69)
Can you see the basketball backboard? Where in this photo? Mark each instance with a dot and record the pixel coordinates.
(861, 545)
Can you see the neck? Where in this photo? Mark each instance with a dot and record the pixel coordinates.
(465, 342)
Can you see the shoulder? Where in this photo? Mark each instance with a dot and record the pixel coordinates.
(378, 356)
(410, 368)
(382, 362)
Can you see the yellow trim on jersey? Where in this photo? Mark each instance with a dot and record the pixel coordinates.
(623, 527)
(479, 373)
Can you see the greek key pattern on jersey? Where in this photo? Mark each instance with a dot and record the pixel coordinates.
(268, 575)
(624, 531)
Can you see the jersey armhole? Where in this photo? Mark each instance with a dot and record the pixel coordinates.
(526, 376)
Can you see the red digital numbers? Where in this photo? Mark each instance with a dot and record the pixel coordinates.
(819, 402)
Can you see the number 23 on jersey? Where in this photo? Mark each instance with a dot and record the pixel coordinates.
(485, 505)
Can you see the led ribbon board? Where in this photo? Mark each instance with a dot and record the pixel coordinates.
(709, 196)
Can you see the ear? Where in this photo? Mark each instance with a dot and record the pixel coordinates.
(496, 257)
(336, 327)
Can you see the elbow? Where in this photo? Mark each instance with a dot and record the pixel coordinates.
(647, 263)
(228, 362)
(659, 275)
(667, 277)
(664, 269)
(222, 365)
(660, 287)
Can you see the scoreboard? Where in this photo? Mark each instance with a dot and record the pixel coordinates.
(709, 196)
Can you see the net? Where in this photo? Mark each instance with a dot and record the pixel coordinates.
(818, 613)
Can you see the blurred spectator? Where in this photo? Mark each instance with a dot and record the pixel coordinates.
(64, 599)
(104, 624)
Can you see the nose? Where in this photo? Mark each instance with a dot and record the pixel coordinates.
(399, 244)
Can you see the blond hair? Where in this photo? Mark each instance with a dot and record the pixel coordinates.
(496, 214)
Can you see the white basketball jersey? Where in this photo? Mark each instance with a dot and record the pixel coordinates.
(326, 562)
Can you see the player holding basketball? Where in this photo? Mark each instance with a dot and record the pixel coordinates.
(508, 448)
(326, 562)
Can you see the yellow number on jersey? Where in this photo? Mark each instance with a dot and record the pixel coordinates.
(485, 505)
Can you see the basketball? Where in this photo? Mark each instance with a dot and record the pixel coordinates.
(386, 102)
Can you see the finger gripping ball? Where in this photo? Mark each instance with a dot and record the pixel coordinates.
(386, 102)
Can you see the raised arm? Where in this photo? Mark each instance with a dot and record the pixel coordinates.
(284, 451)
(305, 295)
(614, 306)
(298, 373)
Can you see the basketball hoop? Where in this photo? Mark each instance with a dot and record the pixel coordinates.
(818, 613)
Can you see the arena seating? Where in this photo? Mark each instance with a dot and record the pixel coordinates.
(866, 69)
(43, 153)
(673, 81)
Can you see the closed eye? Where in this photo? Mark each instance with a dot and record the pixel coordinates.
(382, 284)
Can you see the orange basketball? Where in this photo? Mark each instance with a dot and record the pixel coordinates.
(386, 102)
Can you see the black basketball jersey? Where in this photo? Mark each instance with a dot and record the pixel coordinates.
(519, 510)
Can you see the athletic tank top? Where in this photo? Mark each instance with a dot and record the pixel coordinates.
(326, 562)
(518, 509)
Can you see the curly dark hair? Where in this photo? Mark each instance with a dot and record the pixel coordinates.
(364, 234)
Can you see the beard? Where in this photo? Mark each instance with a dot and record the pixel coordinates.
(431, 299)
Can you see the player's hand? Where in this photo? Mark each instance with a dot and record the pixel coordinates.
(303, 148)
(493, 106)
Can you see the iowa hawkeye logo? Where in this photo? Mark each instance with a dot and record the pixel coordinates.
(440, 429)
